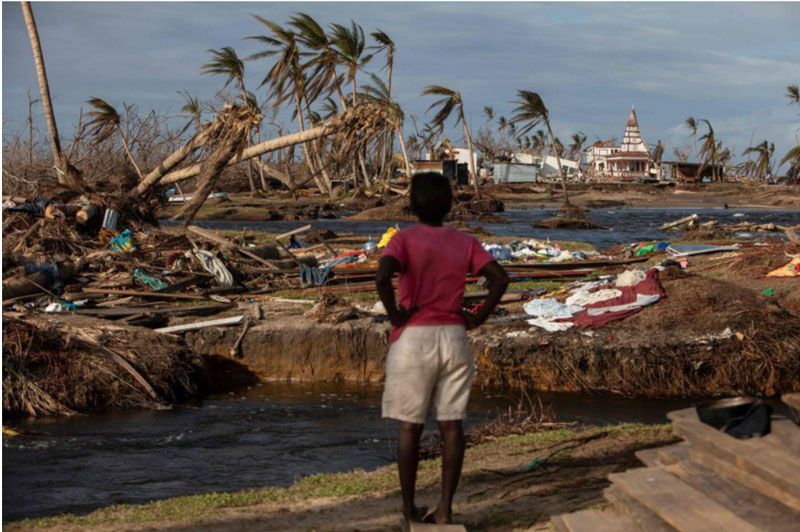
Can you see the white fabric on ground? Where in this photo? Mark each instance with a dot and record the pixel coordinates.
(642, 300)
(215, 267)
(550, 326)
(550, 309)
(630, 278)
(585, 298)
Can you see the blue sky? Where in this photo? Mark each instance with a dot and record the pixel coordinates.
(727, 62)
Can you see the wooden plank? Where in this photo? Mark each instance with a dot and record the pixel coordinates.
(427, 527)
(752, 506)
(233, 320)
(142, 293)
(644, 519)
(759, 463)
(676, 503)
(227, 244)
(171, 310)
(785, 433)
(661, 456)
(681, 221)
(293, 232)
(605, 520)
(792, 399)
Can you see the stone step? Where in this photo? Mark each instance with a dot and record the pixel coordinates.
(766, 465)
(673, 502)
(757, 509)
(662, 456)
(605, 520)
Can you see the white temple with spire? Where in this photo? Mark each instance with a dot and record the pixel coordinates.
(629, 161)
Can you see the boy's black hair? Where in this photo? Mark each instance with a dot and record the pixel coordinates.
(431, 197)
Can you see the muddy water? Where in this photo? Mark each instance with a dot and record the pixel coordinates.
(621, 225)
(269, 435)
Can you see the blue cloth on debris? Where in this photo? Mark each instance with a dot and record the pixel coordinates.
(35, 207)
(50, 268)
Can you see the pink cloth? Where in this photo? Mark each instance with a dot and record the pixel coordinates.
(434, 263)
(649, 287)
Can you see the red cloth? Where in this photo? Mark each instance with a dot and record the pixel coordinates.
(434, 261)
(648, 286)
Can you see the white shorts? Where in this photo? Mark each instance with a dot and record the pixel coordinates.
(428, 365)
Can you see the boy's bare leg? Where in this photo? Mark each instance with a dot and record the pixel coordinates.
(452, 460)
(407, 461)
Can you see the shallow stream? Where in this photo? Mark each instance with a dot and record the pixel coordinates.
(269, 435)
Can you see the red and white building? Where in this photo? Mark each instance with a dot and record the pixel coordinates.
(630, 161)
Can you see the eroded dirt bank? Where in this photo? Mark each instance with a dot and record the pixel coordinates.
(708, 337)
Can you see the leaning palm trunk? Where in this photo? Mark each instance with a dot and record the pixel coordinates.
(259, 149)
(230, 133)
(399, 133)
(471, 165)
(558, 161)
(210, 171)
(354, 126)
(171, 162)
(66, 173)
(273, 173)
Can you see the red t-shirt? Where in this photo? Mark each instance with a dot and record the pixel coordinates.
(434, 263)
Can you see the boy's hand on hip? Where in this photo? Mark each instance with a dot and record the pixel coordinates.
(473, 320)
(402, 316)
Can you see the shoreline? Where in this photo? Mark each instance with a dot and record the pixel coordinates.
(242, 207)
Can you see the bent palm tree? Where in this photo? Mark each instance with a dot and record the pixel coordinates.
(379, 92)
(764, 151)
(287, 80)
(693, 123)
(66, 173)
(576, 147)
(709, 150)
(451, 101)
(531, 111)
(105, 121)
(350, 45)
(191, 107)
(793, 93)
(386, 45)
(793, 155)
(225, 62)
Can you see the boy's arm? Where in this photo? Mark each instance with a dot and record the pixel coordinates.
(498, 283)
(387, 267)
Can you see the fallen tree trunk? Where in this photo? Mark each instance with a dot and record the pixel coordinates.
(327, 128)
(284, 178)
(171, 162)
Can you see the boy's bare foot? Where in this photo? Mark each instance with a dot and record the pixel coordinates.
(439, 517)
(416, 515)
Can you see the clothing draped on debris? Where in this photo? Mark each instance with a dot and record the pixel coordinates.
(594, 304)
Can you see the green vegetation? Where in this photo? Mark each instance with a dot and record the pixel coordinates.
(358, 483)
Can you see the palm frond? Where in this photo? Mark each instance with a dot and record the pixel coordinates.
(104, 119)
(224, 62)
(793, 93)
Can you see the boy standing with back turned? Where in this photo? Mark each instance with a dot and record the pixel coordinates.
(430, 359)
